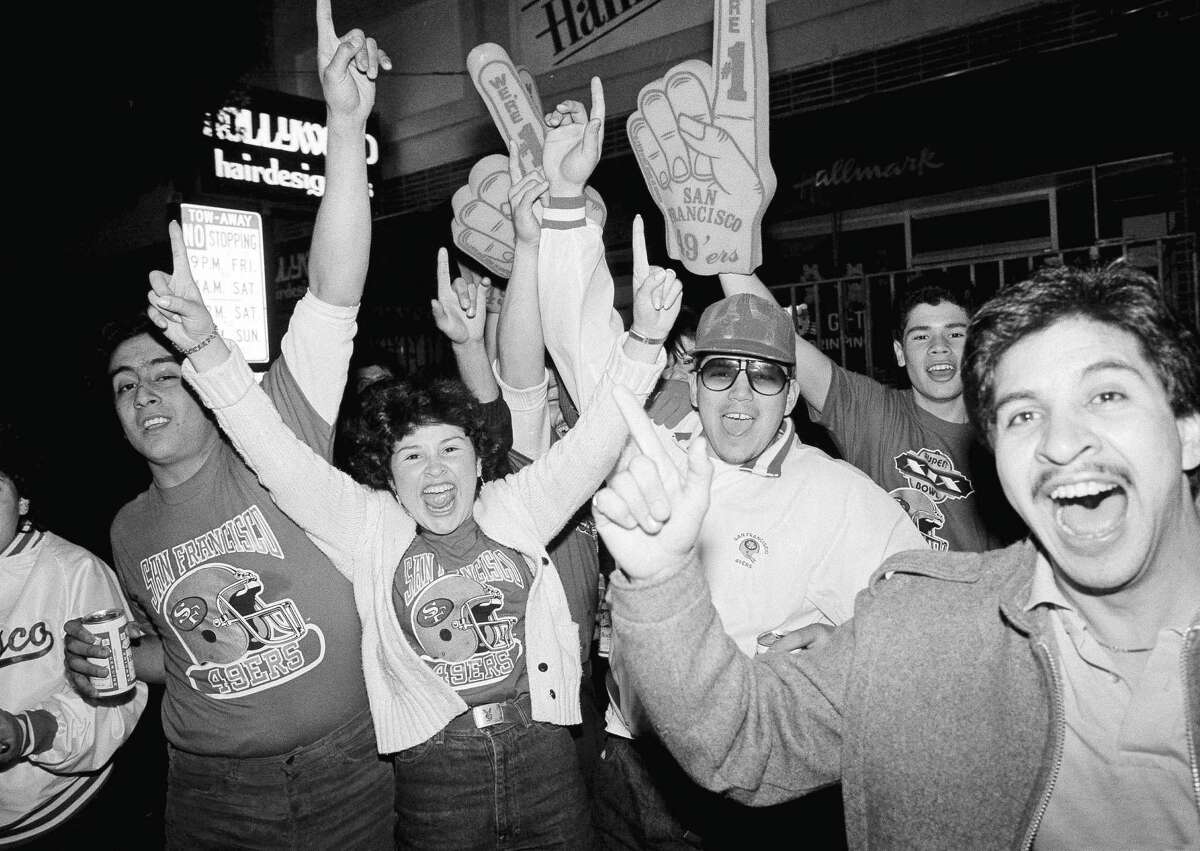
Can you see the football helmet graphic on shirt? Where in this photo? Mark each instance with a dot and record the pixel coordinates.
(922, 511)
(219, 615)
(455, 617)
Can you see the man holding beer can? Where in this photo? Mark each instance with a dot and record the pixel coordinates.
(55, 746)
(111, 626)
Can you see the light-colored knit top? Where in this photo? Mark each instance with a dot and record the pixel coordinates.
(365, 533)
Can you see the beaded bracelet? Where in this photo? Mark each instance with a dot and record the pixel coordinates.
(212, 335)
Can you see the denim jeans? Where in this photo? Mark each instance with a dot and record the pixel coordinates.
(335, 793)
(514, 785)
(644, 800)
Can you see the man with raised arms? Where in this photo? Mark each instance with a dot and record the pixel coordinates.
(1041, 696)
(794, 535)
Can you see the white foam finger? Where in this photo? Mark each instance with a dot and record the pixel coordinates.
(516, 116)
(650, 156)
(688, 91)
(656, 109)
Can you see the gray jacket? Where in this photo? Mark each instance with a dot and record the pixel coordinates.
(939, 706)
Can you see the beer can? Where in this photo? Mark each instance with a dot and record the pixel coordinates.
(766, 641)
(112, 628)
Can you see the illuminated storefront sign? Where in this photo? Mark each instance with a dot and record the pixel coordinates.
(273, 147)
(225, 250)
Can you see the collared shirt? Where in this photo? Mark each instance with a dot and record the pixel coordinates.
(28, 536)
(1124, 781)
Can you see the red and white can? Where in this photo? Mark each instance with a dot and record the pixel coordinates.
(112, 628)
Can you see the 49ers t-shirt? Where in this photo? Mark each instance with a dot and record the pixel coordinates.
(461, 598)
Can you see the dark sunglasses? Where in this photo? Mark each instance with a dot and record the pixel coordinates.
(766, 378)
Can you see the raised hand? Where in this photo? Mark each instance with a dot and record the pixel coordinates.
(460, 325)
(175, 303)
(649, 515)
(656, 291)
(525, 201)
(348, 66)
(572, 146)
(700, 137)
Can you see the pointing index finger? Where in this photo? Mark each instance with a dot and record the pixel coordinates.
(179, 256)
(327, 40)
(642, 430)
(597, 100)
(641, 265)
(445, 295)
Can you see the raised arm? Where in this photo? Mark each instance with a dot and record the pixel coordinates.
(555, 485)
(521, 351)
(319, 341)
(464, 328)
(814, 370)
(341, 244)
(575, 288)
(335, 511)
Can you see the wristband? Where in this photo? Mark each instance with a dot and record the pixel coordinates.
(212, 335)
(649, 341)
(27, 731)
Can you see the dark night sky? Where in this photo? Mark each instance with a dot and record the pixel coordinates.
(103, 98)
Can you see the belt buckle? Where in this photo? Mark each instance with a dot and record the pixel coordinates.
(488, 714)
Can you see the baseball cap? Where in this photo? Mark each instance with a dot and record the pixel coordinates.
(747, 325)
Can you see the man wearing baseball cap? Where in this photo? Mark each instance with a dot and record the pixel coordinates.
(790, 538)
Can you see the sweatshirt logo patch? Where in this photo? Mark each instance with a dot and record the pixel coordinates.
(751, 548)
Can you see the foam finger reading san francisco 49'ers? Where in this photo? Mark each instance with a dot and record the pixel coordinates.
(700, 136)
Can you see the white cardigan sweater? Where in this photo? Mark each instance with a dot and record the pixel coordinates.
(365, 533)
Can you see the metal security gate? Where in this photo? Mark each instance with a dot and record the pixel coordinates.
(850, 318)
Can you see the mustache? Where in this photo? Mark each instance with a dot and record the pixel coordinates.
(1107, 470)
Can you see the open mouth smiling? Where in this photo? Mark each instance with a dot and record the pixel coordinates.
(438, 498)
(736, 423)
(1090, 509)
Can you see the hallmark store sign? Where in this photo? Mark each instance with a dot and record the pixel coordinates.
(272, 148)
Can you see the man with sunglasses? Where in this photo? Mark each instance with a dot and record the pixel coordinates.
(792, 535)
(791, 538)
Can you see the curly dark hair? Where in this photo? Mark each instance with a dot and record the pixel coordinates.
(1119, 296)
(394, 407)
(930, 287)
